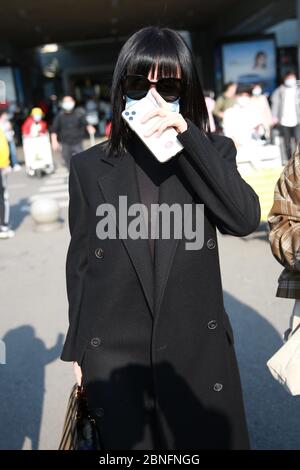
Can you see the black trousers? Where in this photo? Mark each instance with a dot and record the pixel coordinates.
(68, 150)
(289, 133)
(4, 205)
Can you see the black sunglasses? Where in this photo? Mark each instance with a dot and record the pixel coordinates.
(137, 86)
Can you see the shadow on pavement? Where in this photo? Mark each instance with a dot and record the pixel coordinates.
(22, 386)
(273, 415)
(18, 213)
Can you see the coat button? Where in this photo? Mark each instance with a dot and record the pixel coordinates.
(95, 342)
(218, 387)
(99, 412)
(212, 324)
(211, 243)
(99, 253)
(149, 404)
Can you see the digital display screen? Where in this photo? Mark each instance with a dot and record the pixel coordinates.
(249, 62)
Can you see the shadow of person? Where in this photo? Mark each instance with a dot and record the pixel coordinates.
(273, 415)
(122, 407)
(125, 413)
(209, 428)
(18, 212)
(22, 386)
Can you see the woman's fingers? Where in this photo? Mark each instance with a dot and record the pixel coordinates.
(168, 122)
(169, 118)
(151, 114)
(160, 126)
(160, 101)
(161, 111)
(77, 372)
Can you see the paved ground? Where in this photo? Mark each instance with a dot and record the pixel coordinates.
(35, 383)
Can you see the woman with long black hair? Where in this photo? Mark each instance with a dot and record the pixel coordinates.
(148, 329)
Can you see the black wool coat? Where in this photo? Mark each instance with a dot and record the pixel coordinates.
(155, 344)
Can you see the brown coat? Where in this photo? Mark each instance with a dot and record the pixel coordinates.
(284, 224)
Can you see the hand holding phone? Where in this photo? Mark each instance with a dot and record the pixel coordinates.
(163, 147)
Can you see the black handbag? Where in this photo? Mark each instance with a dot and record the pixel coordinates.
(79, 430)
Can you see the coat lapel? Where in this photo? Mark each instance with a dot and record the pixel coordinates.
(122, 181)
(172, 191)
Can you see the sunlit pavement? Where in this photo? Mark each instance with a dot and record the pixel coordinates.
(250, 275)
(35, 384)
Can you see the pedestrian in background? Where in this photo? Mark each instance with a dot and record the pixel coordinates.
(34, 125)
(286, 111)
(68, 130)
(210, 104)
(10, 135)
(240, 121)
(262, 110)
(91, 109)
(5, 230)
(225, 101)
(104, 114)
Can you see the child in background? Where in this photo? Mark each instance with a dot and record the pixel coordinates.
(34, 125)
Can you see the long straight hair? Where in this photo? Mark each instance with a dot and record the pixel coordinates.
(147, 48)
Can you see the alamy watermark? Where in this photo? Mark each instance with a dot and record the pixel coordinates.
(165, 221)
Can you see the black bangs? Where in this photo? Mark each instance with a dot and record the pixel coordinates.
(150, 48)
(157, 51)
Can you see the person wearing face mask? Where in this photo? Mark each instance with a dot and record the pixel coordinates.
(262, 109)
(34, 125)
(148, 333)
(225, 101)
(286, 111)
(68, 129)
(241, 121)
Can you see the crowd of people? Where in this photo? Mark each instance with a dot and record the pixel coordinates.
(67, 128)
(245, 113)
(242, 112)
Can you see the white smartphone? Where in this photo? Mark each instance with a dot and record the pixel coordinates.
(163, 147)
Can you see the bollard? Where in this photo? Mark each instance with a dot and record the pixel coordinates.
(46, 215)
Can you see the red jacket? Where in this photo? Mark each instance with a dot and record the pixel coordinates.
(29, 122)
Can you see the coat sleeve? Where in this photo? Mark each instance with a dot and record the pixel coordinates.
(76, 260)
(55, 126)
(284, 217)
(209, 165)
